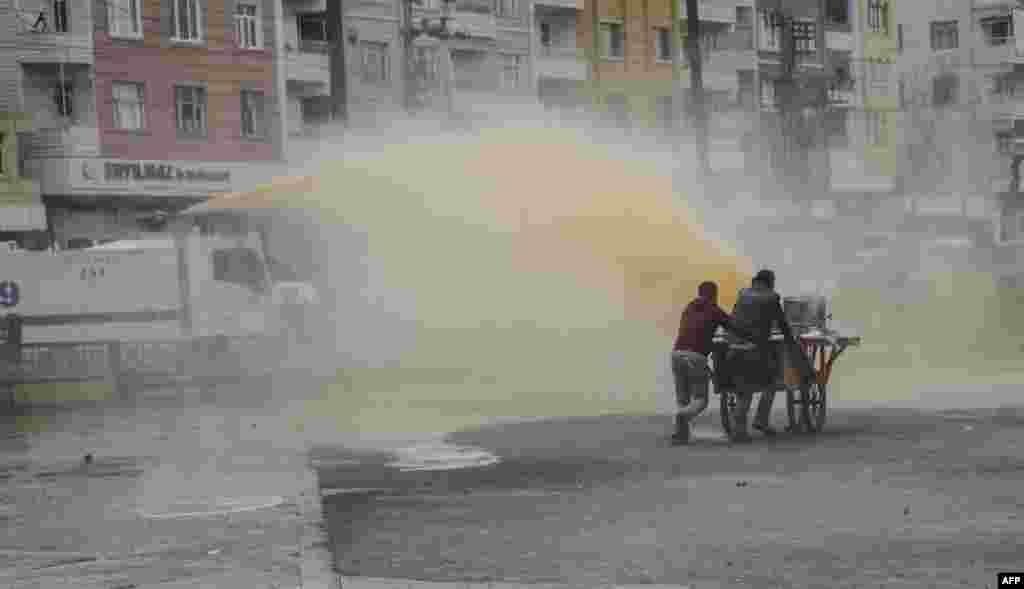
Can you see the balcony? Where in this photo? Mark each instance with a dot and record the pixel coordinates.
(563, 4)
(561, 63)
(307, 62)
(63, 142)
(712, 11)
(44, 36)
(839, 40)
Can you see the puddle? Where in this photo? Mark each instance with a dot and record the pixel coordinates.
(442, 456)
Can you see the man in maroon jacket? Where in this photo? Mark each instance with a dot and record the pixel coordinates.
(697, 327)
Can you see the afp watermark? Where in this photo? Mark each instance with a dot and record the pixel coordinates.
(1010, 579)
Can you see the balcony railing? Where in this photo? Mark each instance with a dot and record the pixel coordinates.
(71, 141)
(561, 51)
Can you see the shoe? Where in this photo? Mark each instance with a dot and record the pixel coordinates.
(679, 441)
(742, 438)
(765, 429)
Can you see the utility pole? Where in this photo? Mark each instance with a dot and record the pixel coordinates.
(408, 37)
(787, 98)
(700, 117)
(336, 61)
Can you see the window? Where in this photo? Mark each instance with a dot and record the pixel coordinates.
(253, 114)
(545, 34)
(618, 108)
(875, 126)
(190, 107)
(375, 62)
(945, 89)
(124, 18)
(771, 30)
(1004, 143)
(767, 93)
(745, 89)
(878, 16)
(241, 266)
(945, 35)
(663, 38)
(129, 106)
(744, 16)
(60, 16)
(510, 71)
(506, 8)
(998, 30)
(837, 12)
(316, 110)
(246, 26)
(186, 19)
(426, 60)
(64, 99)
(804, 36)
(312, 27)
(899, 37)
(613, 40)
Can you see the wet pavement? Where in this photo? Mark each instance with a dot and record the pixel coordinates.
(882, 498)
(165, 494)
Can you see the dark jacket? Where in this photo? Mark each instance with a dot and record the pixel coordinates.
(758, 311)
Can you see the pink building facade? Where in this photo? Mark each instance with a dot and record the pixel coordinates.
(183, 105)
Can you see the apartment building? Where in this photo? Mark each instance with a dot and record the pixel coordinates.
(630, 61)
(492, 62)
(138, 108)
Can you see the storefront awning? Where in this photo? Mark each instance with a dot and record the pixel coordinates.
(281, 193)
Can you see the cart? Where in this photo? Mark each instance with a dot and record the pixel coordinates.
(806, 396)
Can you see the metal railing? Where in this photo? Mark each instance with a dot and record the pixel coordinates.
(132, 365)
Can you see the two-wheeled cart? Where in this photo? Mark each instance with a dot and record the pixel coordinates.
(806, 394)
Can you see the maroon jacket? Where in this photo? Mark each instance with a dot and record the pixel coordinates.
(697, 327)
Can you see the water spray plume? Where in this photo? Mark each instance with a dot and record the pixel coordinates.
(530, 259)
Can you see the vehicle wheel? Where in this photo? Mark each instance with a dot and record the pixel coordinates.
(816, 407)
(727, 407)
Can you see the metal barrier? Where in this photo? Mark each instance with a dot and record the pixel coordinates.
(133, 365)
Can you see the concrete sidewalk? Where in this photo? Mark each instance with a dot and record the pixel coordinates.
(174, 496)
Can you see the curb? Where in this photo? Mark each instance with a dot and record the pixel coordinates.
(316, 570)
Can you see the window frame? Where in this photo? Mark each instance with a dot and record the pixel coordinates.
(952, 90)
(115, 102)
(113, 22)
(366, 48)
(203, 104)
(253, 20)
(512, 7)
(608, 28)
(61, 18)
(506, 60)
(64, 99)
(769, 30)
(935, 29)
(805, 42)
(198, 25)
(663, 41)
(259, 115)
(985, 24)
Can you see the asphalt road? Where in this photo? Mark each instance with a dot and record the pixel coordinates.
(883, 498)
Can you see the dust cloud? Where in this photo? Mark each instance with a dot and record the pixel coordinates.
(535, 270)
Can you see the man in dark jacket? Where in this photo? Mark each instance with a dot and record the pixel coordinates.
(701, 318)
(758, 310)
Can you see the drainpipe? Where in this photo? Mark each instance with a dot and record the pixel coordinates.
(280, 79)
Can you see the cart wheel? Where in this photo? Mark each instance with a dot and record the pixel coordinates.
(727, 407)
(816, 407)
